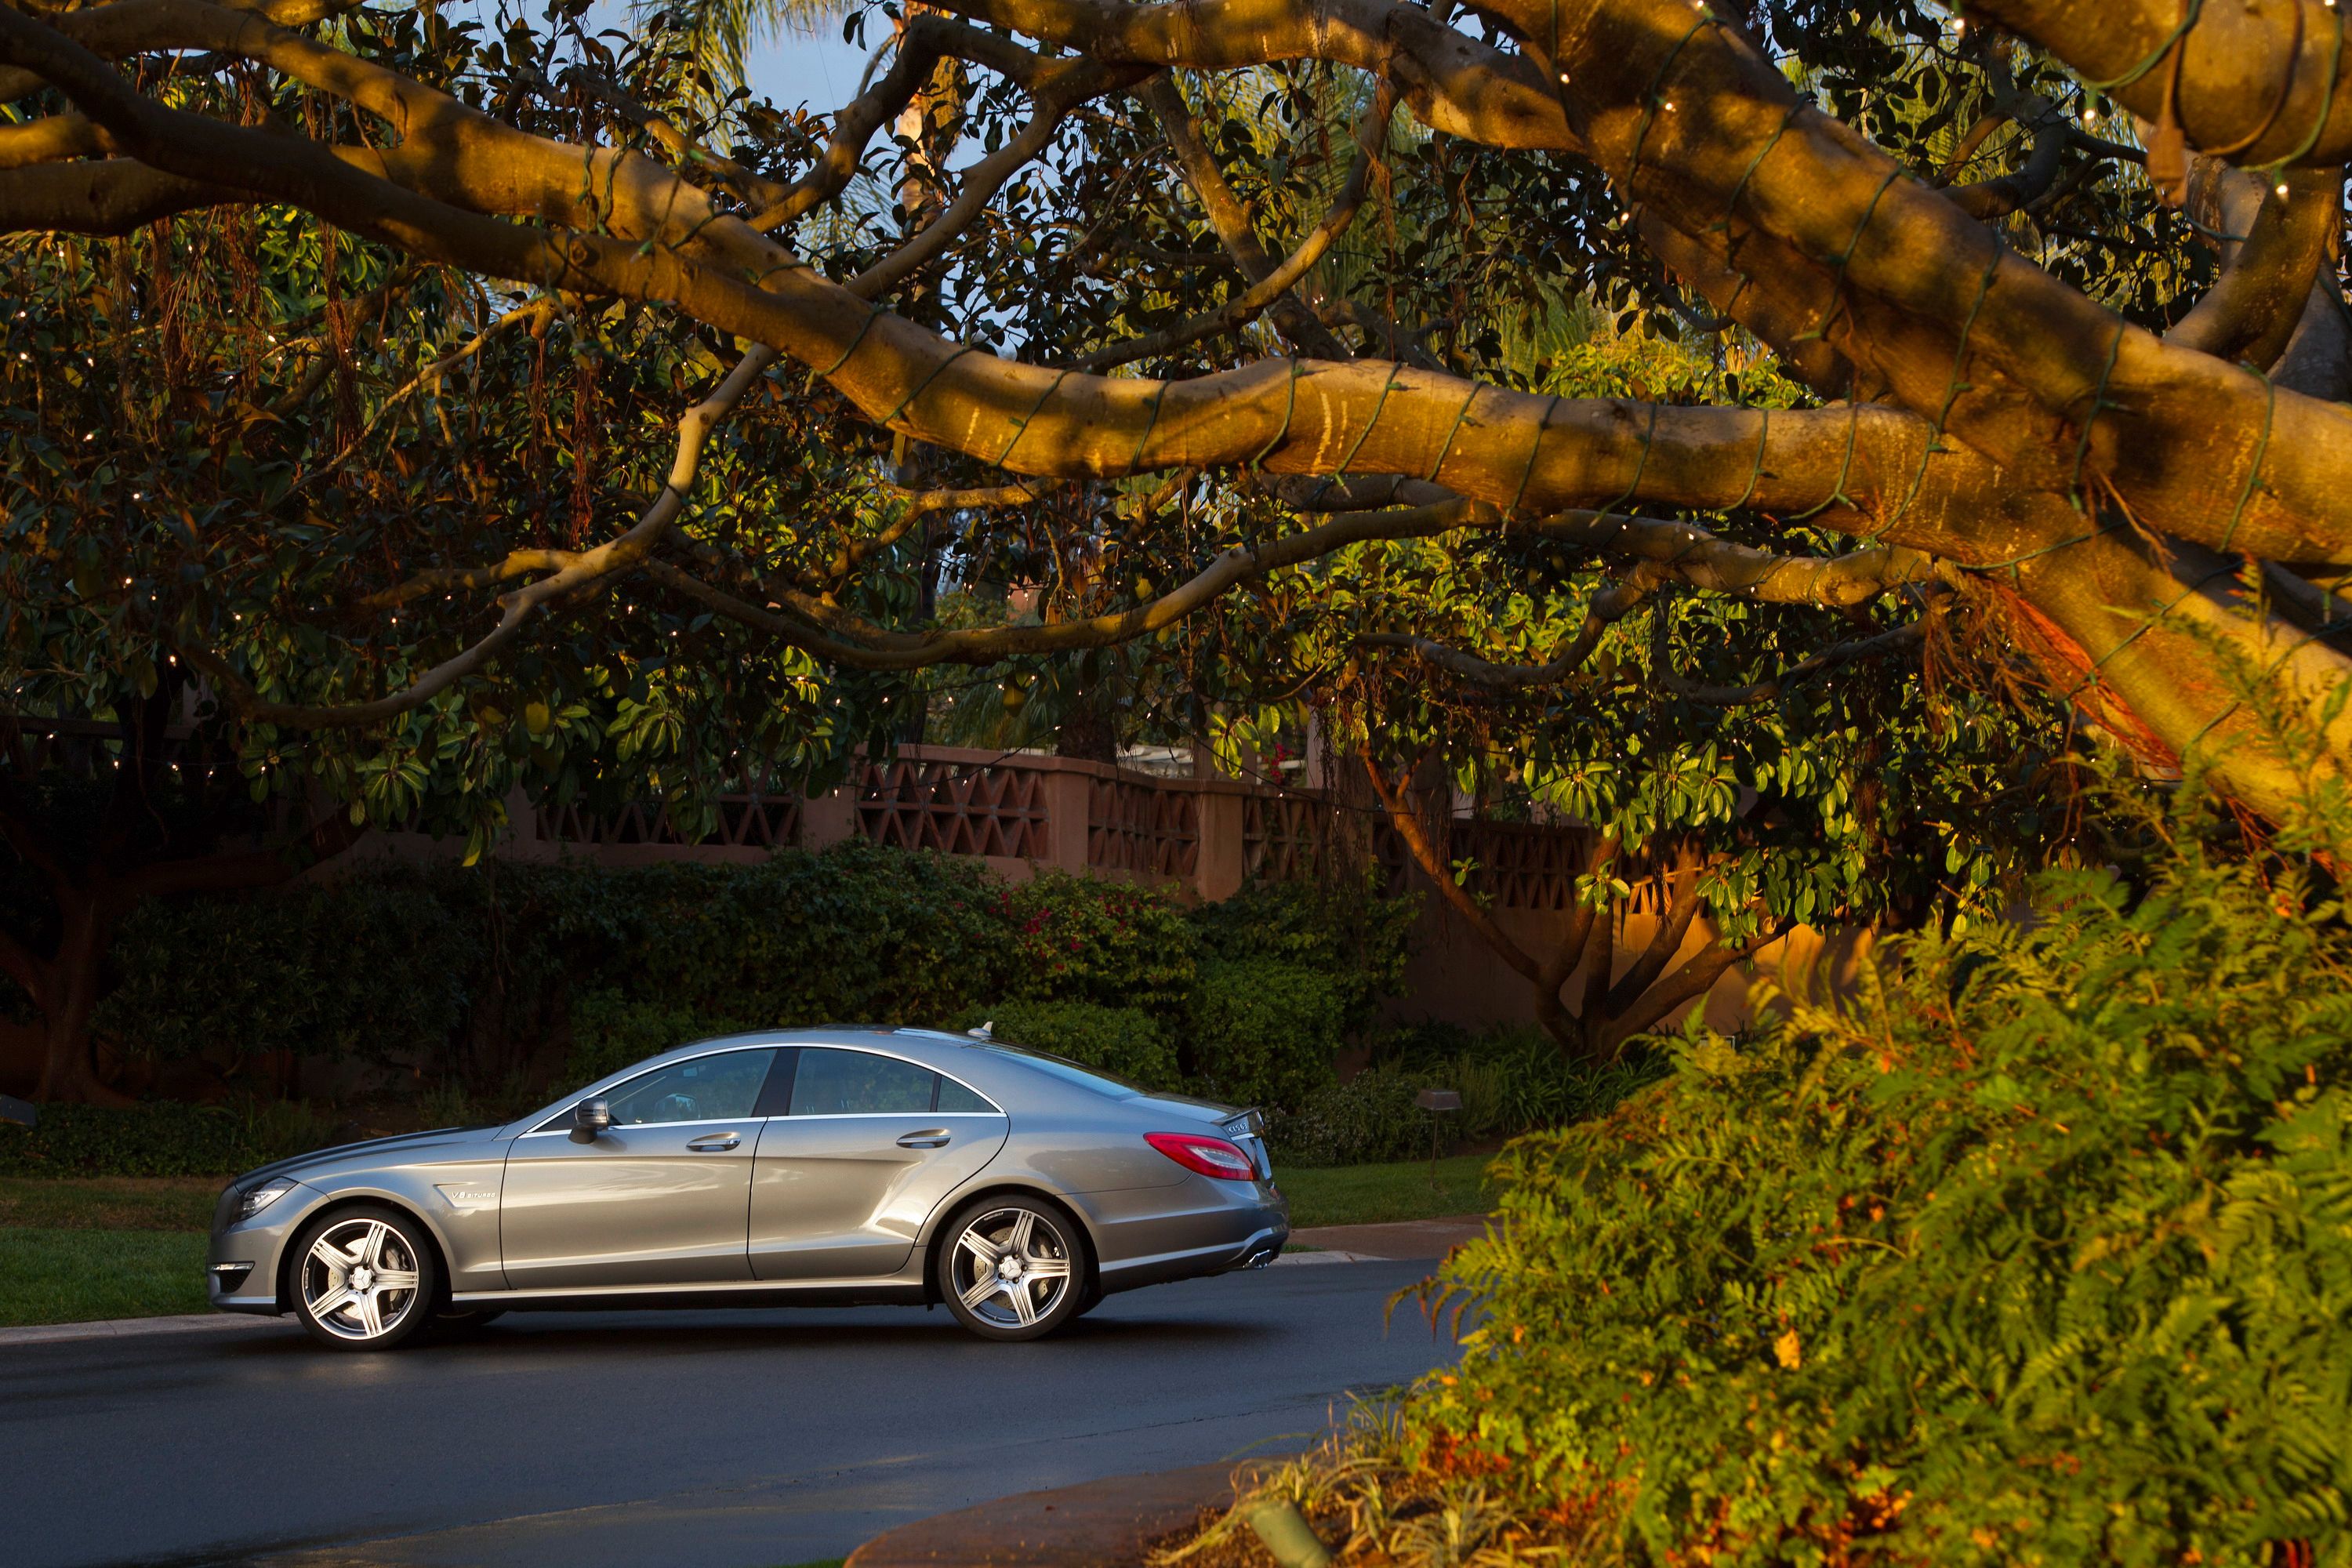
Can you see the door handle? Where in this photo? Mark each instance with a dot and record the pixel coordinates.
(715, 1143)
(929, 1138)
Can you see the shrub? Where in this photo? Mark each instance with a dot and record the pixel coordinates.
(856, 934)
(1262, 1031)
(1515, 1079)
(370, 968)
(1089, 939)
(2042, 1253)
(453, 975)
(1373, 1116)
(609, 1031)
(156, 1139)
(1123, 1041)
(1359, 940)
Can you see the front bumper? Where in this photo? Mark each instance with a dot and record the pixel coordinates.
(241, 1266)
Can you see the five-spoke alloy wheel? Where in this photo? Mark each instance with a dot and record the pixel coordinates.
(363, 1278)
(1014, 1269)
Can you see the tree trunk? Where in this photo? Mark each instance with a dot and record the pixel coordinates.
(69, 999)
(1088, 733)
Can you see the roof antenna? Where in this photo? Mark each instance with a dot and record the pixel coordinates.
(983, 1032)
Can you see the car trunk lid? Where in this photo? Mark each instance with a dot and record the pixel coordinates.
(1247, 1129)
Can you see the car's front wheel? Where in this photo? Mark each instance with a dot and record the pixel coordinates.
(364, 1279)
(1014, 1269)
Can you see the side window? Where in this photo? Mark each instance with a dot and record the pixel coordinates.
(707, 1089)
(859, 1083)
(953, 1095)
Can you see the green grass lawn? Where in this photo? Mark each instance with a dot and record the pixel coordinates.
(51, 1274)
(110, 1202)
(131, 1247)
(1373, 1195)
(111, 1247)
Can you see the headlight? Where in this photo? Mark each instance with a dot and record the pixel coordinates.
(262, 1197)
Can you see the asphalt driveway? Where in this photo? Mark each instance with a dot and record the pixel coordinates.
(726, 1440)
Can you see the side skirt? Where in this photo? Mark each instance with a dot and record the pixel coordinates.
(892, 1292)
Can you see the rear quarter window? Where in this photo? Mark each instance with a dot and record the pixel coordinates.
(953, 1095)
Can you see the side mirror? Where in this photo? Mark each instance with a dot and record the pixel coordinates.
(589, 1118)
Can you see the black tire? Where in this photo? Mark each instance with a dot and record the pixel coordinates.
(1027, 1301)
(375, 1241)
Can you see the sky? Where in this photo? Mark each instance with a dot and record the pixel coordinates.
(789, 69)
(820, 71)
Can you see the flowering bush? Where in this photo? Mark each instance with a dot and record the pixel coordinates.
(1088, 938)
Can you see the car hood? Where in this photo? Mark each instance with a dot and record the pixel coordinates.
(367, 1149)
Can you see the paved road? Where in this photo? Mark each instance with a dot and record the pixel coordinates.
(639, 1440)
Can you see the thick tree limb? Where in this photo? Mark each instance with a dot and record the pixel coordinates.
(1432, 860)
(112, 197)
(2253, 77)
(2266, 281)
(1451, 82)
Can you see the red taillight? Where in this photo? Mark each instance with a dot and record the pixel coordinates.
(1209, 1156)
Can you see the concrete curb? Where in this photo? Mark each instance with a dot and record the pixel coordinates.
(1413, 1238)
(1101, 1525)
(135, 1328)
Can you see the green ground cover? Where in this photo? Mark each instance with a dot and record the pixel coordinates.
(1378, 1195)
(51, 1274)
(108, 1203)
(116, 1247)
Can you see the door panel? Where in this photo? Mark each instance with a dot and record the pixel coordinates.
(635, 1208)
(658, 1199)
(839, 1197)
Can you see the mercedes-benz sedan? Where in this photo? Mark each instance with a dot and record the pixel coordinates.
(819, 1167)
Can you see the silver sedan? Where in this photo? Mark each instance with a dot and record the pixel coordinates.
(817, 1167)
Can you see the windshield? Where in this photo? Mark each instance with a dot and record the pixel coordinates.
(1069, 1071)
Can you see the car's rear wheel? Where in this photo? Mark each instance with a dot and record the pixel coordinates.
(364, 1279)
(1013, 1268)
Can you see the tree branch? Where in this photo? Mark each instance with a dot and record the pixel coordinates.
(1432, 861)
(2266, 280)
(799, 616)
(1269, 284)
(1901, 639)
(578, 572)
(2252, 79)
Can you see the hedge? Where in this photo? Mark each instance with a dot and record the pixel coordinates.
(1126, 1042)
(446, 976)
(162, 1139)
(1263, 1031)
